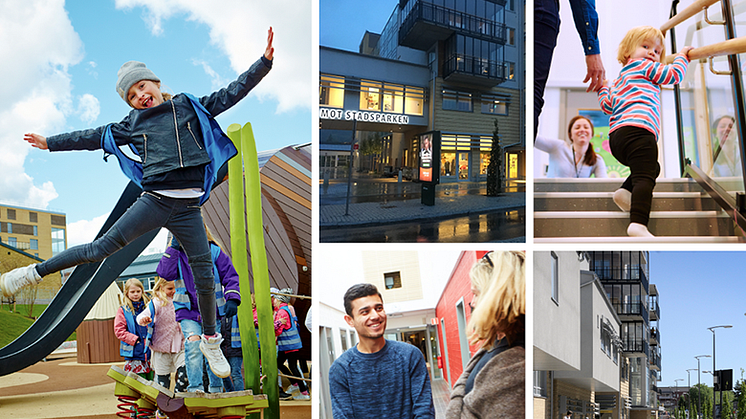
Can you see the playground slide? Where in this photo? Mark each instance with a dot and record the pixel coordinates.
(76, 298)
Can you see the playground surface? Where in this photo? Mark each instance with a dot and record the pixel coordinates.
(62, 388)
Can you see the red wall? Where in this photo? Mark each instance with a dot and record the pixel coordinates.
(458, 286)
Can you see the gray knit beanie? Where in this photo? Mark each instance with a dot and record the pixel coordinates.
(130, 73)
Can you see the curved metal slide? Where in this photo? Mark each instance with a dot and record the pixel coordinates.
(76, 298)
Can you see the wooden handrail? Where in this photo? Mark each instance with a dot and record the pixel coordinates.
(685, 14)
(731, 46)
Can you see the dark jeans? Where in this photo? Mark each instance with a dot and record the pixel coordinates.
(546, 29)
(292, 359)
(151, 211)
(636, 147)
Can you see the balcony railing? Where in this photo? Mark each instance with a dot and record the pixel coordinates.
(655, 310)
(639, 346)
(464, 23)
(655, 360)
(655, 336)
(475, 66)
(630, 273)
(631, 309)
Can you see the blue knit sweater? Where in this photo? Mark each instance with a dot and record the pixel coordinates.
(391, 383)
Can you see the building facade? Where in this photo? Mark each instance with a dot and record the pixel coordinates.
(625, 278)
(578, 364)
(38, 233)
(453, 67)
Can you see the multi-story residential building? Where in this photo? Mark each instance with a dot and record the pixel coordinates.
(625, 278)
(452, 67)
(38, 233)
(578, 365)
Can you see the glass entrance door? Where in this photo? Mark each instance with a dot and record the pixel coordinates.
(463, 165)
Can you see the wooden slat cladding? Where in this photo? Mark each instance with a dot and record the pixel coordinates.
(97, 342)
(59, 220)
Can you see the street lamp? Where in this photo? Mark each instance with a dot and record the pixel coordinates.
(689, 398)
(676, 392)
(699, 389)
(714, 371)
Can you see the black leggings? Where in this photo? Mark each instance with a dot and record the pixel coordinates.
(636, 147)
(292, 358)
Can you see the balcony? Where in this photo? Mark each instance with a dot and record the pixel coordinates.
(655, 310)
(631, 311)
(635, 347)
(427, 24)
(655, 360)
(474, 70)
(628, 273)
(655, 336)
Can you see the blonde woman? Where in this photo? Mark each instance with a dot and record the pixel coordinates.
(493, 383)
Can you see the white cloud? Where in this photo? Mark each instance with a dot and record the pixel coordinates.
(217, 81)
(36, 91)
(88, 108)
(239, 29)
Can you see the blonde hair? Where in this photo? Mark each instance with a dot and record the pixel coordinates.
(158, 292)
(211, 238)
(635, 37)
(134, 282)
(500, 279)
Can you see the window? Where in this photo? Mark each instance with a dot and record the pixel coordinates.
(11, 214)
(393, 98)
(343, 338)
(370, 95)
(540, 384)
(392, 280)
(494, 104)
(511, 36)
(331, 91)
(36, 231)
(457, 101)
(58, 240)
(34, 244)
(10, 227)
(12, 241)
(555, 278)
(511, 71)
(414, 100)
(33, 217)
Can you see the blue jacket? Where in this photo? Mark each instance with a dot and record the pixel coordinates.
(139, 351)
(169, 136)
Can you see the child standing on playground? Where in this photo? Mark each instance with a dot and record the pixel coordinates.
(634, 105)
(288, 342)
(181, 154)
(174, 266)
(131, 334)
(166, 340)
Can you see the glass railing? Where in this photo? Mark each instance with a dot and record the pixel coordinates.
(461, 22)
(710, 119)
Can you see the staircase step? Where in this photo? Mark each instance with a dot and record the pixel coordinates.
(603, 201)
(610, 185)
(614, 223)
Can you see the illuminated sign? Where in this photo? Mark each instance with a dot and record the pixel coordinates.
(362, 116)
(429, 157)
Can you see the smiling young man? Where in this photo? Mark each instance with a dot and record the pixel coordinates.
(377, 378)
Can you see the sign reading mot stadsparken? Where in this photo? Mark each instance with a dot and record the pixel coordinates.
(363, 116)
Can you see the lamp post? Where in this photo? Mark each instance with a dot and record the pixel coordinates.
(689, 398)
(676, 392)
(699, 389)
(714, 371)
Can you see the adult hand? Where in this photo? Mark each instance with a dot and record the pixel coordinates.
(595, 72)
(36, 141)
(231, 308)
(269, 53)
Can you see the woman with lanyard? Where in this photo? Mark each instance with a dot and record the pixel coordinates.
(576, 159)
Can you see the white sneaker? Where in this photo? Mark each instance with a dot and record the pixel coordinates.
(16, 279)
(293, 388)
(211, 350)
(638, 230)
(301, 396)
(623, 199)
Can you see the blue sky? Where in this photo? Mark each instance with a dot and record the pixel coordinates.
(342, 24)
(59, 71)
(700, 290)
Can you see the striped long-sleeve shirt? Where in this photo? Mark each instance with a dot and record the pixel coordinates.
(634, 99)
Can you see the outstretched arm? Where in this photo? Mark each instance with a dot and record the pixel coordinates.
(36, 140)
(595, 72)
(269, 53)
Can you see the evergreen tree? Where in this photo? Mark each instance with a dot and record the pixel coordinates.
(495, 170)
